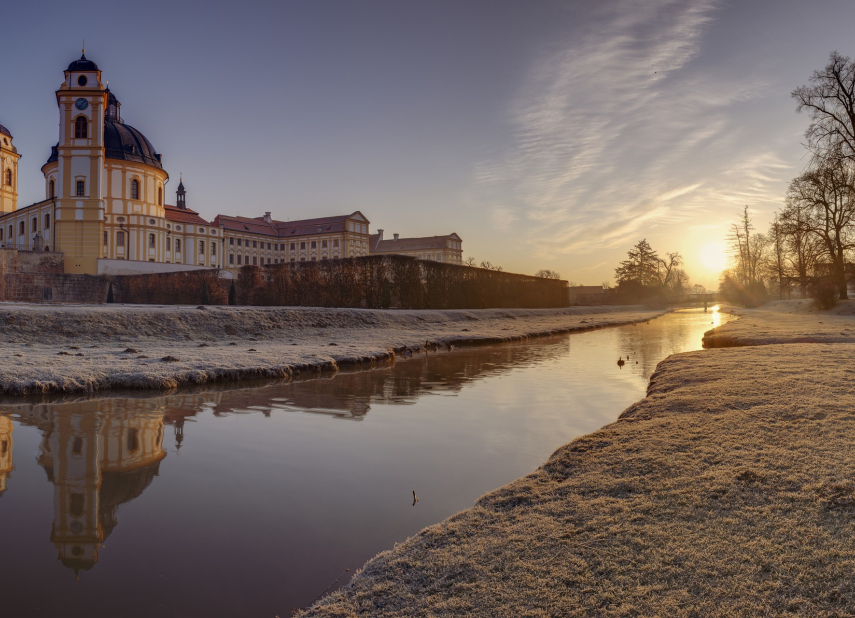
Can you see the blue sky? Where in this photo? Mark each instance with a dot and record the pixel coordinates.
(547, 134)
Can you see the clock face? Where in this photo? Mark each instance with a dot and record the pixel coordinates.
(81, 104)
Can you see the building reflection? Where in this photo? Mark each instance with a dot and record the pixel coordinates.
(98, 455)
(102, 453)
(5, 451)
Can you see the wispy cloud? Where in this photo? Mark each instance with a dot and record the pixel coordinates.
(614, 136)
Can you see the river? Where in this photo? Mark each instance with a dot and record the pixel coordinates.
(252, 501)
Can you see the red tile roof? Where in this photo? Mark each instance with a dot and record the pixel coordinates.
(182, 215)
(285, 229)
(424, 243)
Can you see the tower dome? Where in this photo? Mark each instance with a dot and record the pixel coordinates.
(4, 131)
(83, 64)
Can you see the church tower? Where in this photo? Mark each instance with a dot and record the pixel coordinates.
(181, 195)
(8, 172)
(82, 101)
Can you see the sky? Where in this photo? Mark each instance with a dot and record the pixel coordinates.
(546, 134)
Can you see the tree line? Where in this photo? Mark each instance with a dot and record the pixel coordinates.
(809, 246)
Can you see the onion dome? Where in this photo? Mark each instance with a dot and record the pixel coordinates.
(82, 65)
(4, 131)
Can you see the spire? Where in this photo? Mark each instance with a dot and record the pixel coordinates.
(181, 194)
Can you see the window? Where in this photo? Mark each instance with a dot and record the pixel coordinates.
(75, 506)
(293, 246)
(10, 232)
(231, 258)
(160, 196)
(47, 221)
(21, 228)
(255, 244)
(303, 245)
(135, 189)
(8, 178)
(35, 227)
(177, 245)
(120, 239)
(239, 242)
(105, 238)
(254, 261)
(231, 241)
(133, 442)
(81, 128)
(80, 188)
(268, 260)
(323, 244)
(201, 247)
(240, 259)
(77, 446)
(52, 189)
(213, 248)
(313, 258)
(1, 233)
(151, 241)
(314, 244)
(293, 260)
(268, 246)
(168, 243)
(303, 259)
(335, 243)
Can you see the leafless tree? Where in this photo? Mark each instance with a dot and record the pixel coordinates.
(470, 261)
(802, 247)
(747, 249)
(827, 193)
(830, 100)
(668, 268)
(547, 274)
(489, 266)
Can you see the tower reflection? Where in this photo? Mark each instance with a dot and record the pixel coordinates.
(5, 451)
(97, 455)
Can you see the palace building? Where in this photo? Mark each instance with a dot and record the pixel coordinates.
(448, 248)
(105, 204)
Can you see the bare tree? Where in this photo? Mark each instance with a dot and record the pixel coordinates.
(547, 274)
(830, 100)
(827, 193)
(668, 267)
(747, 248)
(489, 266)
(776, 262)
(802, 248)
(470, 261)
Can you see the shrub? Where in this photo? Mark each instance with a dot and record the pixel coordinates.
(824, 293)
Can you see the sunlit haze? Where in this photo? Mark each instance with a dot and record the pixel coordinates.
(546, 134)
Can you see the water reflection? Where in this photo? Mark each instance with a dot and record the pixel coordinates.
(267, 478)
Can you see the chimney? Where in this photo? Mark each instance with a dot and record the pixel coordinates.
(267, 218)
(396, 236)
(379, 234)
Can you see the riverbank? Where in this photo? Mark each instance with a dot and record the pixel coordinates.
(726, 491)
(85, 348)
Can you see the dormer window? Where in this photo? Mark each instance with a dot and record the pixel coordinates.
(135, 189)
(81, 128)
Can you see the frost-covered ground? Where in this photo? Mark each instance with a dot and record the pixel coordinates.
(69, 348)
(793, 321)
(727, 491)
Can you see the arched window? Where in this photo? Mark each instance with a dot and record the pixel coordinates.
(81, 188)
(81, 128)
(8, 179)
(47, 221)
(160, 196)
(135, 189)
(52, 189)
(151, 240)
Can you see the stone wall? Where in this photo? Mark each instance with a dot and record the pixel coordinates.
(14, 261)
(54, 287)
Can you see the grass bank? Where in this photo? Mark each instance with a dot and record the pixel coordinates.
(726, 491)
(85, 349)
